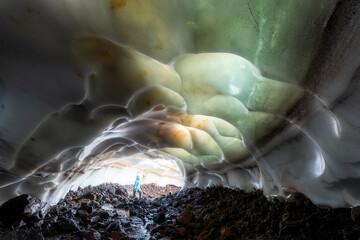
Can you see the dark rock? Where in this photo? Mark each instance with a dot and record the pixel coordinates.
(176, 204)
(88, 196)
(83, 201)
(22, 206)
(91, 235)
(159, 218)
(112, 190)
(125, 223)
(20, 224)
(121, 191)
(129, 229)
(227, 234)
(94, 204)
(165, 238)
(285, 216)
(181, 231)
(355, 214)
(204, 235)
(86, 208)
(160, 234)
(114, 226)
(132, 212)
(100, 225)
(194, 225)
(155, 230)
(186, 216)
(82, 214)
(104, 215)
(67, 225)
(288, 228)
(95, 219)
(117, 235)
(22, 234)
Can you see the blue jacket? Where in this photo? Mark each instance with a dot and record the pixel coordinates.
(137, 183)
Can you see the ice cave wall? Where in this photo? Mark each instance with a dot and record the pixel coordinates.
(246, 94)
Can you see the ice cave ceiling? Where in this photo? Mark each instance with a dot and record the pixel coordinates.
(240, 93)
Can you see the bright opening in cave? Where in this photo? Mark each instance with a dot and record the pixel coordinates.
(150, 168)
(247, 95)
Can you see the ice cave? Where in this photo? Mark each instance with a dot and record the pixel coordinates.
(244, 94)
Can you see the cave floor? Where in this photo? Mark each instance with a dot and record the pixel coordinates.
(107, 212)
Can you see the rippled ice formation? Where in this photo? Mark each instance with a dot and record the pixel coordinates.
(244, 94)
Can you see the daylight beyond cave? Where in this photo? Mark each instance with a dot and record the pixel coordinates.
(244, 94)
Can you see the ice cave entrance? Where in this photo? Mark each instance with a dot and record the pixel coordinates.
(158, 171)
(123, 171)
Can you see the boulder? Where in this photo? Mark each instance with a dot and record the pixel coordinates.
(20, 207)
(186, 216)
(355, 214)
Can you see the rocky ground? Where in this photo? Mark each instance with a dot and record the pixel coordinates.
(153, 191)
(106, 212)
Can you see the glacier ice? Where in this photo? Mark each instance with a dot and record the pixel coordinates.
(244, 94)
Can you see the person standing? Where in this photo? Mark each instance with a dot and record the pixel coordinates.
(137, 187)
